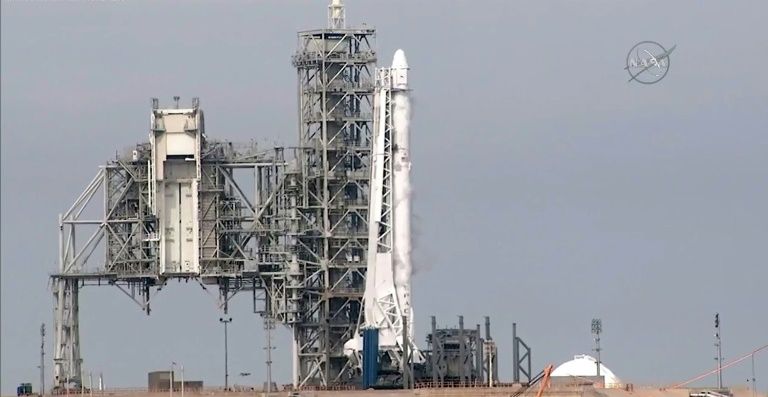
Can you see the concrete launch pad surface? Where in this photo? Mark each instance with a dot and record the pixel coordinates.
(437, 392)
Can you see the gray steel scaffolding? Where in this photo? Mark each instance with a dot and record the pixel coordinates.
(335, 70)
(288, 225)
(234, 226)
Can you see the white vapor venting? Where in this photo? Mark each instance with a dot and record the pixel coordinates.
(387, 297)
(401, 119)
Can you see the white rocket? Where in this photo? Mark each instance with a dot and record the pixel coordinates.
(401, 118)
(387, 297)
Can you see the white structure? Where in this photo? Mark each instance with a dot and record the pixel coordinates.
(584, 365)
(336, 15)
(176, 138)
(401, 199)
(387, 297)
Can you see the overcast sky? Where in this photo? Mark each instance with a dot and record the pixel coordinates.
(548, 189)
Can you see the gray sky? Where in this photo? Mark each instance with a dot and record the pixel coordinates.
(548, 190)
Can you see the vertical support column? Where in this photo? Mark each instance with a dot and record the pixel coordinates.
(434, 352)
(525, 358)
(515, 355)
(478, 357)
(528, 361)
(462, 352)
(269, 325)
(326, 334)
(66, 355)
(296, 361)
(42, 359)
(405, 362)
(491, 367)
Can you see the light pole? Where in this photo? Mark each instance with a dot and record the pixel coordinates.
(181, 366)
(170, 380)
(226, 321)
(182, 380)
(754, 386)
(42, 360)
(719, 346)
(597, 328)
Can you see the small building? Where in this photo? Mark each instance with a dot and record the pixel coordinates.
(159, 380)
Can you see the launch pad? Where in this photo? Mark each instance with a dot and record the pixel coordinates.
(288, 225)
(318, 233)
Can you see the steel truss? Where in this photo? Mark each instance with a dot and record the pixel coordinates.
(336, 82)
(234, 227)
(289, 225)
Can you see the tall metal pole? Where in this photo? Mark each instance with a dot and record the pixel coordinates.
(462, 352)
(597, 328)
(754, 386)
(435, 350)
(182, 380)
(226, 321)
(42, 360)
(478, 357)
(170, 381)
(719, 358)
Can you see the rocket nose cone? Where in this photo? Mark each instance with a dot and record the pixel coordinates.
(399, 61)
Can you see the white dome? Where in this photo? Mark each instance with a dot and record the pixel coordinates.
(585, 365)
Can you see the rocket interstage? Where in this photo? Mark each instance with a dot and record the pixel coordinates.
(387, 297)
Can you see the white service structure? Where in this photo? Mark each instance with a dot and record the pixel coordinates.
(176, 137)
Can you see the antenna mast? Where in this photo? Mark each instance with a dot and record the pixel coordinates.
(42, 359)
(719, 346)
(597, 328)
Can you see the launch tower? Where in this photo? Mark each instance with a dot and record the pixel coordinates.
(335, 70)
(289, 225)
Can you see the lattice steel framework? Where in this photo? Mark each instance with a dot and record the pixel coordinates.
(242, 231)
(289, 225)
(336, 82)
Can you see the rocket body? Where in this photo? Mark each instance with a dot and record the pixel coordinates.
(401, 170)
(387, 298)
